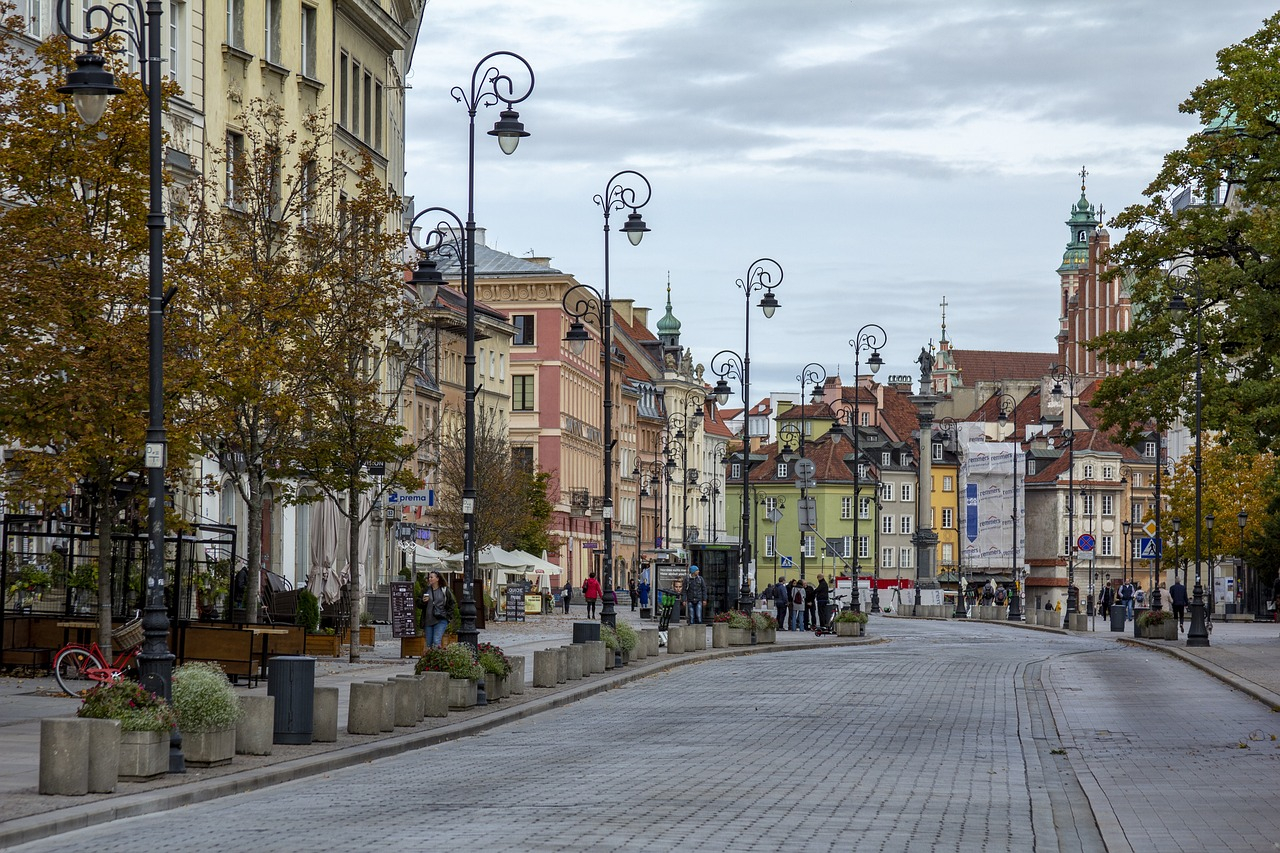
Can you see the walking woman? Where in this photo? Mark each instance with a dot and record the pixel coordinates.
(437, 602)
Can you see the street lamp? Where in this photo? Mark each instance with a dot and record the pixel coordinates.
(1198, 633)
(763, 274)
(1243, 518)
(582, 302)
(1177, 550)
(89, 87)
(812, 375)
(1125, 528)
(489, 87)
(654, 473)
(710, 494)
(1060, 374)
(870, 336)
(950, 434)
(1208, 526)
(1008, 412)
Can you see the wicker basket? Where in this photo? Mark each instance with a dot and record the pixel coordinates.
(128, 635)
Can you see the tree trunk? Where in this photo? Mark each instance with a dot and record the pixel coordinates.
(253, 547)
(106, 507)
(353, 563)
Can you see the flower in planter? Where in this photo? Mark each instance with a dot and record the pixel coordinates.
(493, 659)
(1154, 617)
(856, 616)
(628, 639)
(203, 698)
(610, 638)
(137, 709)
(458, 660)
(734, 619)
(764, 622)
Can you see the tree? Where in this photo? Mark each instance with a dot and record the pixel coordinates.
(73, 310)
(1223, 258)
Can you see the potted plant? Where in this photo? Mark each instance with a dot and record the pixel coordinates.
(459, 661)
(1156, 625)
(610, 638)
(207, 709)
(212, 583)
(850, 623)
(496, 666)
(766, 627)
(367, 631)
(739, 625)
(83, 579)
(628, 639)
(146, 721)
(28, 583)
(308, 617)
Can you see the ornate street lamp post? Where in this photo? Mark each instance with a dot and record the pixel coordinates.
(1009, 412)
(1059, 375)
(89, 87)
(582, 302)
(764, 274)
(710, 496)
(871, 336)
(812, 375)
(950, 434)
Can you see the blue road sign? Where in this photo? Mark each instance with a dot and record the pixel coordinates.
(785, 562)
(1085, 542)
(1148, 548)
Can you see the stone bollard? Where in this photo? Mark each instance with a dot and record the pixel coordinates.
(324, 715)
(387, 723)
(364, 710)
(435, 689)
(595, 656)
(517, 674)
(675, 640)
(104, 755)
(588, 649)
(255, 732)
(575, 667)
(562, 665)
(720, 635)
(64, 756)
(700, 638)
(652, 640)
(417, 686)
(544, 668)
(404, 711)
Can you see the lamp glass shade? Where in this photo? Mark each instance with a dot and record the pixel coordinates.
(769, 303)
(89, 86)
(875, 362)
(577, 337)
(1178, 306)
(1208, 521)
(634, 228)
(1243, 518)
(90, 106)
(509, 131)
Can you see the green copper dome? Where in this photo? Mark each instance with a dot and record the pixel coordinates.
(668, 325)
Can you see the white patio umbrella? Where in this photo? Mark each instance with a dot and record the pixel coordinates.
(323, 578)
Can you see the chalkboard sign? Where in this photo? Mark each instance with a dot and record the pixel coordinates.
(403, 620)
(515, 602)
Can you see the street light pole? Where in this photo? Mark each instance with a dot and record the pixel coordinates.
(764, 274)
(582, 301)
(1243, 598)
(1059, 375)
(89, 86)
(950, 432)
(489, 87)
(1009, 410)
(871, 336)
(815, 375)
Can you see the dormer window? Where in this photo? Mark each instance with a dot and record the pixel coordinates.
(782, 470)
(937, 453)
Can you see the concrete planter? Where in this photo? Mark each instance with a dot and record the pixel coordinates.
(209, 749)
(492, 687)
(1166, 630)
(739, 636)
(849, 629)
(143, 756)
(462, 693)
(767, 635)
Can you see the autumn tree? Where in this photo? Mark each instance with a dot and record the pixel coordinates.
(73, 308)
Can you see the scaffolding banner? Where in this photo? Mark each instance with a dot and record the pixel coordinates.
(989, 525)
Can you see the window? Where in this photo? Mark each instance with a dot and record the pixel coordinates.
(885, 457)
(524, 330)
(948, 483)
(886, 524)
(864, 547)
(886, 491)
(948, 554)
(178, 44)
(809, 550)
(782, 470)
(307, 191)
(1149, 449)
(846, 508)
(768, 546)
(886, 558)
(522, 393)
(367, 117)
(937, 451)
(1086, 503)
(1087, 472)
(907, 492)
(343, 95)
(1136, 510)
(864, 418)
(33, 18)
(846, 547)
(235, 23)
(1108, 504)
(308, 41)
(905, 558)
(862, 471)
(864, 507)
(522, 459)
(271, 31)
(1106, 547)
(948, 518)
(235, 162)
(1108, 472)
(904, 524)
(735, 471)
(377, 116)
(354, 124)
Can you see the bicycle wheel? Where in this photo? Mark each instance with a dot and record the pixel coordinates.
(71, 669)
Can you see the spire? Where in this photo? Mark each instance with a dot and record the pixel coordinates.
(943, 341)
(669, 326)
(1083, 223)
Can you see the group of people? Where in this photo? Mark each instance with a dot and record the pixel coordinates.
(593, 594)
(799, 604)
(1130, 595)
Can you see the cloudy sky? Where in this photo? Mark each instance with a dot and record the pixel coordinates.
(886, 153)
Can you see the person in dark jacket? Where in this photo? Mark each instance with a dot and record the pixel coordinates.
(822, 594)
(695, 595)
(633, 590)
(810, 607)
(1178, 601)
(781, 600)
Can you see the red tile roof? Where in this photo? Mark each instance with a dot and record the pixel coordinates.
(997, 365)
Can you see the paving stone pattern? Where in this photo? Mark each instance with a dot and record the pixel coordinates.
(949, 737)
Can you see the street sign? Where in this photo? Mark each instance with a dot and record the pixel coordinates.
(1150, 527)
(807, 511)
(1148, 548)
(422, 497)
(785, 562)
(1085, 542)
(806, 468)
(774, 515)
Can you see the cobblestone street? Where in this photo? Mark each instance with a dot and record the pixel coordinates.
(948, 737)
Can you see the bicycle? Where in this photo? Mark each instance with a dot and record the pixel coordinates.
(835, 607)
(78, 667)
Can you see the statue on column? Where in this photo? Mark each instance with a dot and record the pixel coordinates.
(925, 361)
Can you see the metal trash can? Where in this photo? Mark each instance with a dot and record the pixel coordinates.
(586, 632)
(1117, 617)
(292, 681)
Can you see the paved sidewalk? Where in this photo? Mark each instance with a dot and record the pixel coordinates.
(26, 815)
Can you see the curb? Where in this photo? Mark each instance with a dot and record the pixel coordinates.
(1272, 700)
(36, 827)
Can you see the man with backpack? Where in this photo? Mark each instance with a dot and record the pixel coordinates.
(1126, 598)
(781, 600)
(695, 595)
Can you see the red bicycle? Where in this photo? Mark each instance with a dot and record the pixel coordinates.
(78, 667)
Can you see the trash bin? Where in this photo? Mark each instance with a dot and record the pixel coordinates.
(1137, 613)
(292, 681)
(1117, 617)
(586, 632)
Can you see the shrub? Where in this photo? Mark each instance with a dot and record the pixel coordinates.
(203, 698)
(308, 610)
(610, 638)
(458, 660)
(851, 616)
(137, 709)
(1154, 617)
(493, 659)
(627, 637)
(366, 619)
(734, 619)
(764, 622)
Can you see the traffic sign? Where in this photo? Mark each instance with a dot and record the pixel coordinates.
(1148, 548)
(785, 562)
(1085, 542)
(1150, 527)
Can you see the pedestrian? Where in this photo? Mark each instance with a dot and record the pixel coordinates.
(810, 607)
(1139, 597)
(437, 607)
(781, 599)
(1275, 599)
(591, 592)
(823, 596)
(1178, 601)
(633, 590)
(1106, 599)
(1126, 598)
(695, 595)
(797, 606)
(644, 593)
(566, 595)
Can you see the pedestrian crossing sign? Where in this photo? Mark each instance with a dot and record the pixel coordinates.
(1148, 548)
(785, 562)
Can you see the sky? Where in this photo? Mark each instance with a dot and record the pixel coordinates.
(886, 153)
